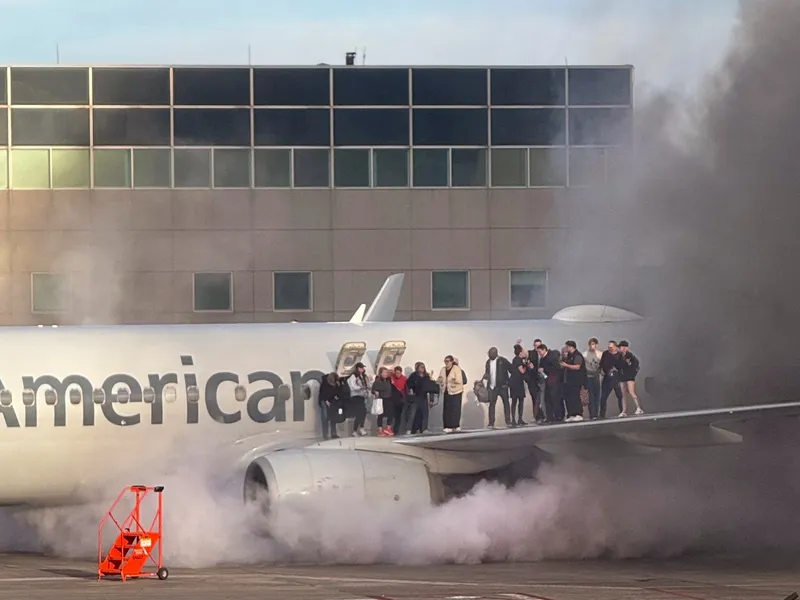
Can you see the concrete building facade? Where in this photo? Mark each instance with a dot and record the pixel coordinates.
(198, 194)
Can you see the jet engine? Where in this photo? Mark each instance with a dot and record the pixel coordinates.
(362, 475)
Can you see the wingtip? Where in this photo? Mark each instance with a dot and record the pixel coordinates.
(384, 306)
(358, 316)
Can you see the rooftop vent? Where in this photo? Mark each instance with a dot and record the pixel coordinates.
(350, 59)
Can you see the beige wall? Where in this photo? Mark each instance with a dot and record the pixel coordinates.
(131, 254)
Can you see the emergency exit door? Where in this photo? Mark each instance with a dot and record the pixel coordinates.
(390, 355)
(350, 354)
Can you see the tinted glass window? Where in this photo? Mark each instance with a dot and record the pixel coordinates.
(468, 167)
(587, 166)
(131, 127)
(351, 168)
(450, 289)
(152, 168)
(390, 167)
(231, 168)
(213, 291)
(3, 168)
(192, 168)
(130, 86)
(112, 168)
(528, 126)
(50, 126)
(533, 87)
(452, 87)
(49, 86)
(450, 127)
(509, 167)
(30, 169)
(292, 291)
(312, 168)
(370, 127)
(211, 126)
(431, 167)
(292, 127)
(211, 87)
(528, 289)
(548, 167)
(3, 85)
(272, 168)
(70, 168)
(49, 292)
(292, 87)
(3, 126)
(366, 87)
(599, 126)
(599, 86)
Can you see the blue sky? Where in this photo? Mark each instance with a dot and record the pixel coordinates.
(671, 42)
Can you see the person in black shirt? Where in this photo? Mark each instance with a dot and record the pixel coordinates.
(610, 363)
(418, 387)
(516, 384)
(536, 383)
(330, 404)
(496, 374)
(553, 375)
(574, 379)
(627, 376)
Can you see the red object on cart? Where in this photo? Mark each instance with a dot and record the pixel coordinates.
(135, 547)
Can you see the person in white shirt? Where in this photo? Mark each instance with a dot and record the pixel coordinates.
(359, 389)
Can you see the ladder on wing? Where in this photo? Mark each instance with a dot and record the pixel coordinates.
(135, 548)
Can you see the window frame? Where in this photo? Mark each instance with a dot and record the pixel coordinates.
(66, 290)
(213, 310)
(546, 288)
(310, 308)
(468, 306)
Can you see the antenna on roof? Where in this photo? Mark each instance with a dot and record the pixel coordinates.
(249, 55)
(363, 56)
(58, 55)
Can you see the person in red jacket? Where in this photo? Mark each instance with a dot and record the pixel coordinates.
(399, 381)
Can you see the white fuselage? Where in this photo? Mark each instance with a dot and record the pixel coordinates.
(52, 452)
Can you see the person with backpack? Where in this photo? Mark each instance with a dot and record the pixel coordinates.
(418, 386)
(451, 380)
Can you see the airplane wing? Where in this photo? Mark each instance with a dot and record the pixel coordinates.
(662, 430)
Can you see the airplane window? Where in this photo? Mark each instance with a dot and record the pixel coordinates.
(75, 396)
(50, 397)
(148, 395)
(240, 393)
(192, 394)
(5, 397)
(29, 398)
(123, 395)
(98, 396)
(170, 394)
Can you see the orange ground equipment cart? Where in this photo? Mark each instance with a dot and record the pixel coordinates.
(135, 547)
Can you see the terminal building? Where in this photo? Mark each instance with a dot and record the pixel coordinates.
(269, 194)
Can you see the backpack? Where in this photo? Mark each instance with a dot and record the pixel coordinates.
(481, 393)
(463, 377)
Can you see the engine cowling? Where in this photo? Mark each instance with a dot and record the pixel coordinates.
(363, 475)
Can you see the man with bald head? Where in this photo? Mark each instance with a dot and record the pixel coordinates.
(496, 375)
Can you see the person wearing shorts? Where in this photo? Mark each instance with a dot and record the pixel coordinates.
(629, 368)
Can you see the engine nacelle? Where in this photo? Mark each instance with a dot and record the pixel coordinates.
(361, 474)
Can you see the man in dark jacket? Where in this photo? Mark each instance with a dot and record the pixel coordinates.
(574, 367)
(330, 405)
(497, 374)
(610, 363)
(535, 383)
(553, 375)
(629, 369)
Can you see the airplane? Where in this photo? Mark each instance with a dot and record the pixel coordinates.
(86, 410)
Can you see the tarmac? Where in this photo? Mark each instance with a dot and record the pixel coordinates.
(35, 577)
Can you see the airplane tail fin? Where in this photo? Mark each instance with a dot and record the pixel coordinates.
(384, 305)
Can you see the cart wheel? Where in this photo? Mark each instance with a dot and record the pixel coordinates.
(162, 573)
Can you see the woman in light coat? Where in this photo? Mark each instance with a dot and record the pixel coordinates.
(451, 381)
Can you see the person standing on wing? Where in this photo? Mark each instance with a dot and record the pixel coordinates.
(627, 377)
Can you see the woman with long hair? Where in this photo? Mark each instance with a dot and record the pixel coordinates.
(359, 388)
(451, 381)
(382, 388)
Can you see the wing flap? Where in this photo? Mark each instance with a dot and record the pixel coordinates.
(663, 430)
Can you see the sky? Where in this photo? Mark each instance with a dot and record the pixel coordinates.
(670, 42)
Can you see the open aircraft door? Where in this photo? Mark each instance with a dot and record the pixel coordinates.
(390, 355)
(349, 355)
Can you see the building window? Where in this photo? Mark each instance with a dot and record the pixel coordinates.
(70, 168)
(291, 291)
(112, 168)
(152, 168)
(450, 290)
(192, 168)
(30, 169)
(48, 292)
(528, 289)
(273, 168)
(213, 292)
